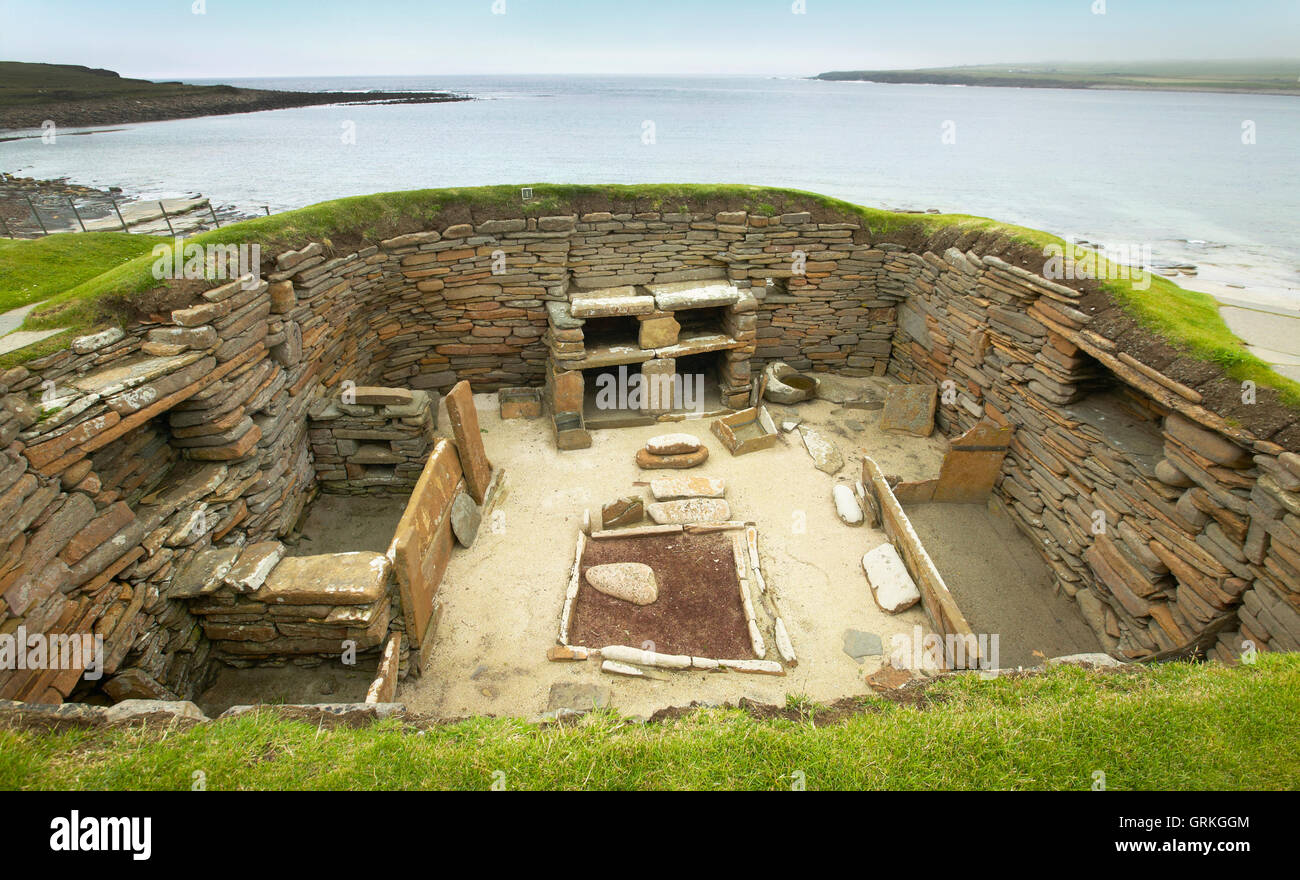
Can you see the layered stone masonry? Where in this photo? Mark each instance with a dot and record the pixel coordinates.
(371, 440)
(125, 456)
(1171, 528)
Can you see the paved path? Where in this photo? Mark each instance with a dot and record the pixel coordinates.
(11, 338)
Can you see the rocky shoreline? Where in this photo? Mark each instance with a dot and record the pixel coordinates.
(97, 208)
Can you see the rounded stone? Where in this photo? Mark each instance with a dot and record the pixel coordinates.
(672, 444)
(647, 460)
(632, 582)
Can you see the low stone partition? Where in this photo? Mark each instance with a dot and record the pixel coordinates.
(372, 440)
(257, 607)
(961, 645)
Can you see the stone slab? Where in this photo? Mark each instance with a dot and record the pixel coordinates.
(972, 465)
(469, 440)
(677, 487)
(692, 510)
(909, 409)
(647, 460)
(859, 645)
(891, 585)
(357, 578)
(693, 295)
(422, 542)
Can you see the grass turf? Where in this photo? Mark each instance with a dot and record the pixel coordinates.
(1172, 726)
(1187, 319)
(33, 269)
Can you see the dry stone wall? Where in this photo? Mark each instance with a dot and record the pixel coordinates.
(1170, 527)
(135, 450)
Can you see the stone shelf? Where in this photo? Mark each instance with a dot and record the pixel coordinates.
(617, 355)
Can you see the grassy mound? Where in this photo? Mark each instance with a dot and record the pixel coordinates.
(1172, 726)
(1187, 319)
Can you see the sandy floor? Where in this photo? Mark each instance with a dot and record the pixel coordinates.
(326, 683)
(503, 597)
(1001, 583)
(347, 523)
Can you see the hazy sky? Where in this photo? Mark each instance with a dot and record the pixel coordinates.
(166, 38)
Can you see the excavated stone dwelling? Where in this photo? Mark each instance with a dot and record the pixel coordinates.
(150, 471)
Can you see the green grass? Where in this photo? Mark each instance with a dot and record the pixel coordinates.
(25, 84)
(34, 269)
(1187, 319)
(1172, 726)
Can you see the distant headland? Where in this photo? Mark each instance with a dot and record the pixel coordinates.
(1265, 77)
(72, 95)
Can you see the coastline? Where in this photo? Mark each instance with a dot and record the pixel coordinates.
(70, 114)
(33, 96)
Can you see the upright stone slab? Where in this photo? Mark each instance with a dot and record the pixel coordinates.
(909, 409)
(972, 465)
(422, 544)
(469, 441)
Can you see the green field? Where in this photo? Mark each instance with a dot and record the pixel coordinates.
(32, 85)
(1172, 726)
(1278, 77)
(32, 270)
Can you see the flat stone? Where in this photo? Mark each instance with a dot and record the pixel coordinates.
(825, 454)
(846, 505)
(205, 574)
(357, 578)
(1207, 443)
(96, 341)
(887, 678)
(257, 562)
(860, 645)
(561, 318)
(691, 510)
(128, 710)
(673, 488)
(909, 409)
(373, 395)
(693, 295)
(623, 512)
(672, 444)
(1093, 658)
(649, 461)
(469, 441)
(577, 697)
(611, 302)
(632, 582)
(892, 586)
(465, 519)
(658, 332)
